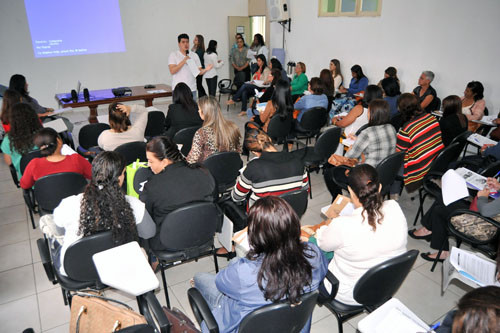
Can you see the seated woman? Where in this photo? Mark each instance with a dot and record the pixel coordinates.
(419, 138)
(473, 104)
(390, 72)
(102, 206)
(355, 92)
(24, 124)
(252, 112)
(276, 64)
(328, 84)
(373, 233)
(272, 173)
(357, 117)
(50, 145)
(174, 184)
(10, 97)
(122, 131)
(299, 81)
(373, 144)
(216, 135)
(278, 267)
(435, 219)
(280, 105)
(183, 112)
(425, 93)
(453, 121)
(248, 89)
(336, 74)
(392, 92)
(314, 99)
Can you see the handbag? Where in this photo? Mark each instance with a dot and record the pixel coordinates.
(475, 227)
(180, 323)
(95, 314)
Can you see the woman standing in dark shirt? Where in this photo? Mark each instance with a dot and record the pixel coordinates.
(199, 48)
(453, 122)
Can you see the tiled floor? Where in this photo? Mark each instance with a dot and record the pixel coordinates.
(27, 299)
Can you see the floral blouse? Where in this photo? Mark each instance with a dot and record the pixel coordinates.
(205, 144)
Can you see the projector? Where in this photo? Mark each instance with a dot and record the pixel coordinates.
(122, 91)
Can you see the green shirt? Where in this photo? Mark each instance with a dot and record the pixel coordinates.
(299, 84)
(15, 156)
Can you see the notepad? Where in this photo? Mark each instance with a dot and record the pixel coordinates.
(480, 140)
(58, 125)
(193, 67)
(62, 110)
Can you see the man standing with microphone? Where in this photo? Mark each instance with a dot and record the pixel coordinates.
(185, 66)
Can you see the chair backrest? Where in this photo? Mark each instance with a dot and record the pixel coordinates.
(78, 262)
(280, 317)
(225, 168)
(491, 170)
(279, 128)
(224, 84)
(461, 139)
(133, 151)
(189, 227)
(328, 142)
(26, 159)
(361, 129)
(184, 137)
(382, 281)
(388, 169)
(297, 199)
(88, 135)
(313, 119)
(445, 157)
(156, 124)
(50, 190)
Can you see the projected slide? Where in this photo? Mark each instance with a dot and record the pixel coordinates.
(74, 27)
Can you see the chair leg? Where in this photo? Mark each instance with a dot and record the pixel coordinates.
(340, 322)
(65, 299)
(215, 262)
(31, 218)
(165, 287)
(438, 254)
(310, 184)
(420, 209)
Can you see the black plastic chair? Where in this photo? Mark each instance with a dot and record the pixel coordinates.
(276, 317)
(88, 135)
(156, 124)
(50, 190)
(489, 246)
(491, 170)
(315, 157)
(13, 174)
(226, 86)
(388, 169)
(185, 138)
(311, 123)
(187, 234)
(279, 129)
(225, 168)
(437, 168)
(298, 200)
(373, 289)
(28, 195)
(132, 151)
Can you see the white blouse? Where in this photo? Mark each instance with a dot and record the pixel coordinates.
(211, 59)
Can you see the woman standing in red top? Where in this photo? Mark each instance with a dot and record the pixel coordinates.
(53, 161)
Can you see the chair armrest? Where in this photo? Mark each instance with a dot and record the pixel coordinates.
(335, 288)
(149, 303)
(44, 251)
(252, 123)
(201, 310)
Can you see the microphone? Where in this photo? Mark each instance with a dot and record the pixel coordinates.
(187, 52)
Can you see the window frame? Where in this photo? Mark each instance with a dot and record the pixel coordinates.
(356, 13)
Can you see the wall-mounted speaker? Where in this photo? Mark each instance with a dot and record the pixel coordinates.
(278, 10)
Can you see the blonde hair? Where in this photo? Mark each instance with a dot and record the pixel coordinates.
(257, 140)
(227, 134)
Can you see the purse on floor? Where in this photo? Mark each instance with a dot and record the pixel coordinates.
(95, 314)
(179, 321)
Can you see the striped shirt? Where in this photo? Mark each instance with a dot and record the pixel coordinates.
(375, 142)
(421, 139)
(273, 173)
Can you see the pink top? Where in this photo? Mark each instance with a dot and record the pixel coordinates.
(474, 111)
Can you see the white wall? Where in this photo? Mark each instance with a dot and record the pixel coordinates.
(150, 29)
(457, 39)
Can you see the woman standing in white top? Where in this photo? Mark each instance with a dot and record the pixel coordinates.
(122, 130)
(375, 232)
(336, 74)
(210, 58)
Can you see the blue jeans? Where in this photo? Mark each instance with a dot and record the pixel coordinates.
(244, 93)
(205, 283)
(252, 113)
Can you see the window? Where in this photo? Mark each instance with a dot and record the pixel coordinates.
(349, 7)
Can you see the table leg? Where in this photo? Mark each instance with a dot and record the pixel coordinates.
(93, 114)
(148, 102)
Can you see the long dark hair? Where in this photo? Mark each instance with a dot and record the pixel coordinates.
(276, 73)
(10, 97)
(24, 124)
(336, 62)
(276, 64)
(46, 141)
(184, 96)
(164, 148)
(380, 112)
(409, 106)
(118, 120)
(363, 180)
(264, 62)
(274, 238)
(212, 47)
(201, 43)
(326, 77)
(104, 205)
(477, 88)
(359, 72)
(260, 41)
(453, 105)
(282, 99)
(478, 311)
(372, 92)
(18, 83)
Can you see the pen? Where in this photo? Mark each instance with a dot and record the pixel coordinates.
(436, 325)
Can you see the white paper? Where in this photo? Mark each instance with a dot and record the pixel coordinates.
(193, 67)
(57, 125)
(473, 179)
(158, 91)
(346, 211)
(67, 150)
(453, 187)
(486, 120)
(63, 110)
(348, 142)
(480, 140)
(258, 94)
(226, 234)
(479, 270)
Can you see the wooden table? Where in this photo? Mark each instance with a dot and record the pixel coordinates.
(105, 96)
